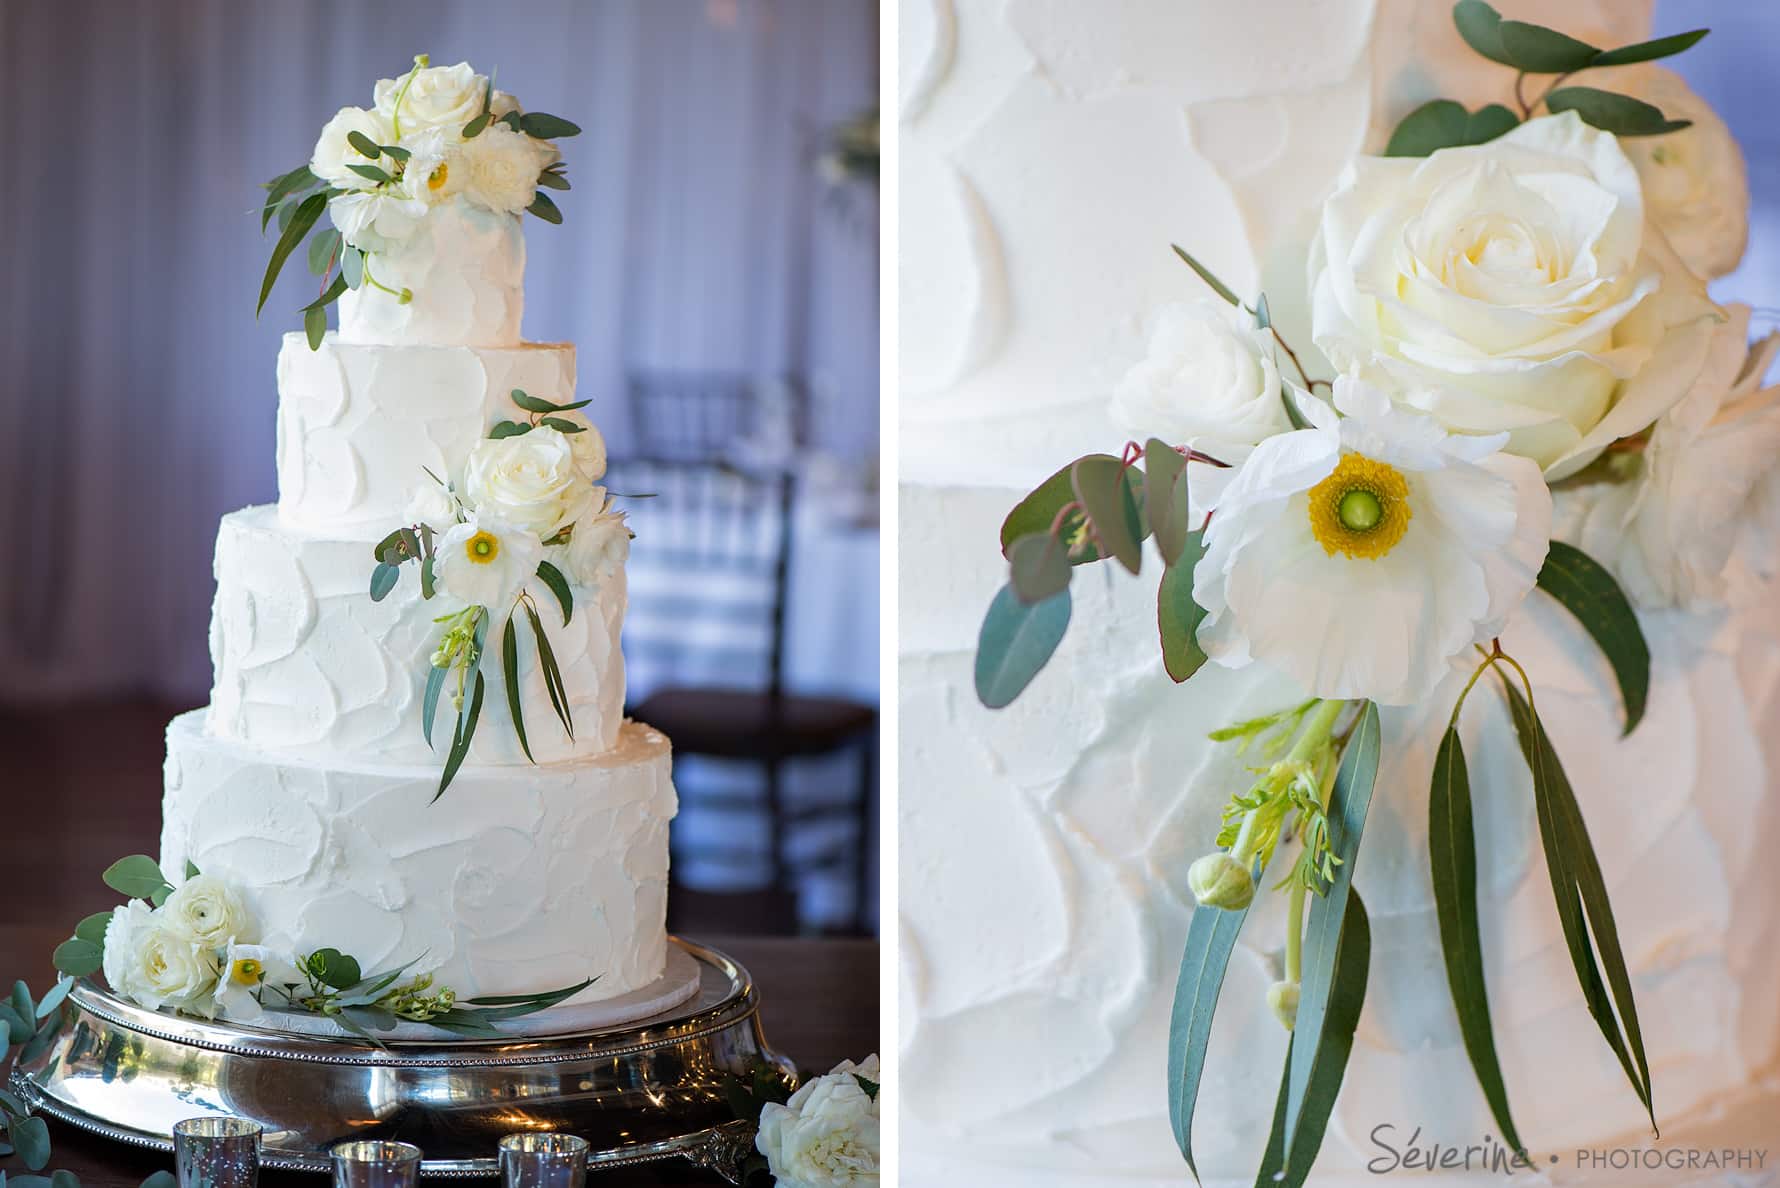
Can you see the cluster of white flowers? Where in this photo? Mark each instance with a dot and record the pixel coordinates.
(827, 1134)
(194, 953)
(520, 500)
(424, 113)
(1498, 316)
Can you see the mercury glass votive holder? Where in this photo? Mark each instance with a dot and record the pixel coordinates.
(376, 1163)
(217, 1152)
(532, 1160)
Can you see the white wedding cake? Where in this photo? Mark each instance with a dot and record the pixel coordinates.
(1050, 154)
(309, 785)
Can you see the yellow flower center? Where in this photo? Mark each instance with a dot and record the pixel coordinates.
(436, 179)
(247, 971)
(1361, 509)
(482, 548)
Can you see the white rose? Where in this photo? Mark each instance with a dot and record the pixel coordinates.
(531, 480)
(485, 561)
(1695, 187)
(1210, 374)
(432, 504)
(598, 548)
(1513, 285)
(155, 966)
(434, 171)
(502, 168)
(827, 1134)
(1669, 534)
(208, 912)
(589, 445)
(438, 97)
(246, 969)
(334, 152)
(376, 220)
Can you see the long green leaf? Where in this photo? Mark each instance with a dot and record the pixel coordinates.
(559, 693)
(461, 736)
(1211, 936)
(294, 182)
(1322, 997)
(559, 586)
(538, 1002)
(1178, 616)
(327, 298)
(1334, 1044)
(1452, 857)
(510, 671)
(429, 702)
(1112, 512)
(1205, 274)
(1650, 51)
(1588, 591)
(306, 213)
(321, 251)
(544, 208)
(544, 126)
(1273, 1159)
(1581, 895)
(1015, 642)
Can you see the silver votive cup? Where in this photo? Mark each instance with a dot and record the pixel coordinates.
(376, 1163)
(217, 1152)
(543, 1161)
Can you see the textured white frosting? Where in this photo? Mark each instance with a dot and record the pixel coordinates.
(359, 426)
(466, 269)
(304, 658)
(1051, 151)
(516, 880)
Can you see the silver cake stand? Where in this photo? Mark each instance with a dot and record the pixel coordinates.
(644, 1091)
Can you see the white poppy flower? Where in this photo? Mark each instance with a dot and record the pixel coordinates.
(485, 561)
(1361, 556)
(502, 168)
(207, 911)
(334, 152)
(827, 1134)
(1210, 374)
(376, 220)
(434, 170)
(245, 970)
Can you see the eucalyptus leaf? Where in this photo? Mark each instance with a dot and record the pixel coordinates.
(561, 426)
(366, 147)
(63, 1178)
(1442, 123)
(295, 182)
(315, 328)
(1038, 510)
(1293, 413)
(1481, 27)
(1452, 859)
(1211, 938)
(371, 172)
(1206, 275)
(1273, 1160)
(1538, 50)
(511, 119)
(462, 734)
(395, 152)
(1621, 115)
(135, 877)
(78, 958)
(543, 126)
(1650, 51)
(383, 580)
(551, 576)
(544, 208)
(429, 701)
(553, 181)
(475, 126)
(1113, 516)
(22, 1003)
(327, 298)
(1263, 314)
(509, 429)
(1587, 590)
(161, 1179)
(1015, 642)
(1178, 616)
(30, 1139)
(93, 928)
(352, 266)
(302, 219)
(1327, 991)
(191, 870)
(1039, 569)
(322, 247)
(336, 969)
(1165, 502)
(532, 404)
(510, 674)
(428, 577)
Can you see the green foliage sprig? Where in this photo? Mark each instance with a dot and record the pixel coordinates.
(748, 1095)
(1536, 50)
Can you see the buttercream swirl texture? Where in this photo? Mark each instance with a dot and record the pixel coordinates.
(517, 880)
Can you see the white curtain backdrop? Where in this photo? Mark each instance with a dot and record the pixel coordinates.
(138, 395)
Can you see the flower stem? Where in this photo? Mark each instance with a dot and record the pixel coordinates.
(1295, 932)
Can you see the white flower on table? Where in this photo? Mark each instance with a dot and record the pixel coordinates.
(1669, 534)
(485, 561)
(533, 480)
(501, 168)
(246, 970)
(599, 546)
(376, 220)
(436, 97)
(1210, 375)
(827, 1134)
(207, 912)
(1695, 187)
(1362, 555)
(334, 152)
(1511, 287)
(157, 966)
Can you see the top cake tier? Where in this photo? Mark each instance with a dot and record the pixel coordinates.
(464, 268)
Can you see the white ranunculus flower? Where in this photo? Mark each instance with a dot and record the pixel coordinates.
(827, 1134)
(501, 103)
(501, 169)
(208, 912)
(532, 480)
(599, 546)
(247, 968)
(1210, 374)
(1695, 188)
(432, 504)
(1361, 556)
(1512, 287)
(334, 152)
(439, 97)
(1669, 534)
(434, 171)
(157, 966)
(485, 561)
(376, 220)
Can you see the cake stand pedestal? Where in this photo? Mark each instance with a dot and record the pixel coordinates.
(639, 1092)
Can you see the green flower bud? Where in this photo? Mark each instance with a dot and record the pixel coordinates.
(1283, 998)
(1220, 881)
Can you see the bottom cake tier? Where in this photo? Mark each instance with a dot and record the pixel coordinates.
(517, 880)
